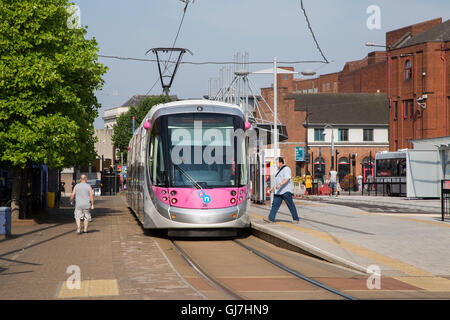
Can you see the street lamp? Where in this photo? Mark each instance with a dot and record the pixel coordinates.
(308, 73)
(332, 143)
(388, 56)
(275, 71)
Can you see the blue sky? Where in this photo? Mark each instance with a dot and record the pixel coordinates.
(214, 30)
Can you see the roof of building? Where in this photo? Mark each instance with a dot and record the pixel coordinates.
(343, 108)
(136, 99)
(439, 33)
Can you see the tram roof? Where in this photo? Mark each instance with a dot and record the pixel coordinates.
(189, 103)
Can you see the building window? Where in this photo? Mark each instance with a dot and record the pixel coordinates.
(285, 77)
(395, 110)
(318, 135)
(368, 134)
(405, 109)
(343, 134)
(408, 70)
(411, 108)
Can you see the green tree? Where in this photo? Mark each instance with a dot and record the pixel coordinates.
(48, 75)
(123, 129)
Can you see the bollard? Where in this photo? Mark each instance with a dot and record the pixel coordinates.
(5, 221)
(50, 199)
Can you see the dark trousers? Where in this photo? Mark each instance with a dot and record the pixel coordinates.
(277, 200)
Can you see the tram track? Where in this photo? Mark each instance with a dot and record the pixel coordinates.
(204, 269)
(205, 275)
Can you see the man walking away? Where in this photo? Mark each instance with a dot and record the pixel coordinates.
(283, 191)
(84, 200)
(333, 181)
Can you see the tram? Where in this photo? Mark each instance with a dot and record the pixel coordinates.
(188, 169)
(390, 172)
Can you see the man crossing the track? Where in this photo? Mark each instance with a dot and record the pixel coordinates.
(284, 189)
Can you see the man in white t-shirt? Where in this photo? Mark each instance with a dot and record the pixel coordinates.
(333, 181)
(284, 190)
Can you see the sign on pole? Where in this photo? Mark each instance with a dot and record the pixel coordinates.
(299, 153)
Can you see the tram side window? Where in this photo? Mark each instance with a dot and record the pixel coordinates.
(384, 168)
(402, 168)
(395, 164)
(157, 167)
(243, 175)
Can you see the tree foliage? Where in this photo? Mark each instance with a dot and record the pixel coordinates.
(48, 75)
(123, 129)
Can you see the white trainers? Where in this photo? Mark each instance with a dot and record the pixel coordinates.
(79, 230)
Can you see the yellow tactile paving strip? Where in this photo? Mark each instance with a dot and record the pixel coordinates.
(90, 288)
(434, 223)
(413, 275)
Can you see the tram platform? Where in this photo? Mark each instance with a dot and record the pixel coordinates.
(404, 239)
(114, 260)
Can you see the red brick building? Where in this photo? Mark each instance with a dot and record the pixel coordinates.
(359, 123)
(413, 75)
(419, 88)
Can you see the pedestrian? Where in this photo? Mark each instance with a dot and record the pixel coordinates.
(63, 188)
(283, 191)
(370, 181)
(58, 197)
(308, 183)
(333, 181)
(84, 200)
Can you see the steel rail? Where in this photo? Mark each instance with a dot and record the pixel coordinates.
(293, 272)
(205, 275)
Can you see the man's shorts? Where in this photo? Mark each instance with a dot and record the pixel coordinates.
(332, 185)
(83, 214)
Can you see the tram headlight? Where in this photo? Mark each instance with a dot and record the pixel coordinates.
(163, 191)
(240, 198)
(164, 198)
(233, 193)
(174, 200)
(233, 200)
(173, 193)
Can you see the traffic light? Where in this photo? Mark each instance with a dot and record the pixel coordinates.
(307, 158)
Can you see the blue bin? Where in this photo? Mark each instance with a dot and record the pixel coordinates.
(5, 220)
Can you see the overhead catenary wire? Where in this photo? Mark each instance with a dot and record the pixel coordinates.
(173, 46)
(312, 32)
(210, 62)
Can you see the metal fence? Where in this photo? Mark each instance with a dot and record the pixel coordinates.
(384, 188)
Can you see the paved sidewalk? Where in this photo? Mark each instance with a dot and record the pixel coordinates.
(115, 258)
(412, 248)
(384, 204)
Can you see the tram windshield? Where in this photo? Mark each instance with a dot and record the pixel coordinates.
(205, 150)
